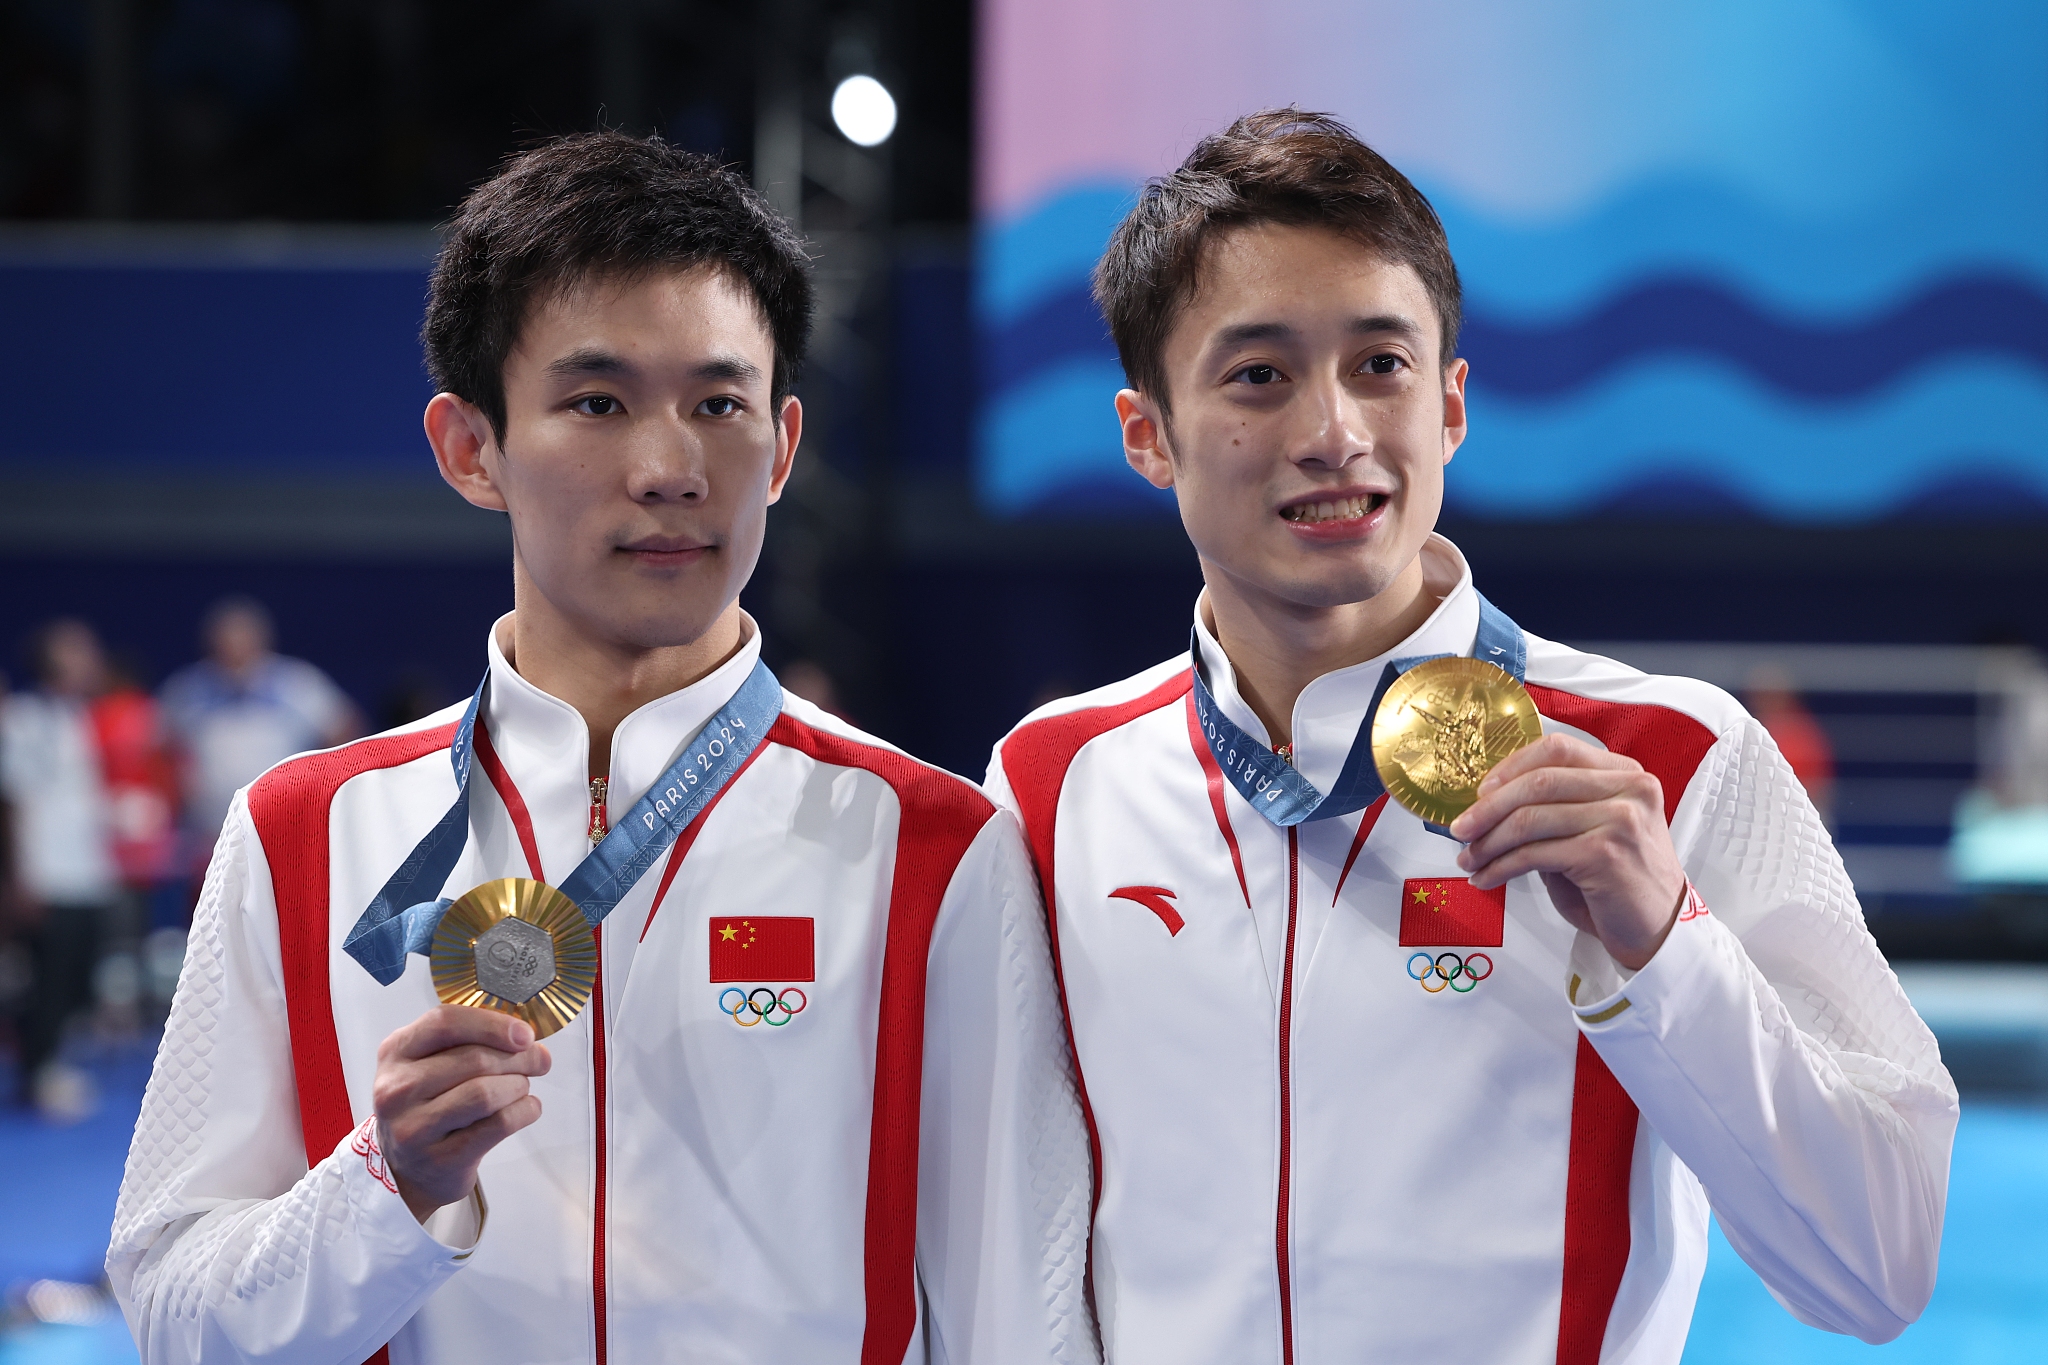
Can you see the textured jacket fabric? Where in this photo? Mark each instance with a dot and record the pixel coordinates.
(1346, 1108)
(896, 1170)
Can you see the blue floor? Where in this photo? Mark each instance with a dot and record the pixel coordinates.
(53, 1224)
(1991, 1307)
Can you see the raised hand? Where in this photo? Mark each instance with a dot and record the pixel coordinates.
(450, 1086)
(1592, 823)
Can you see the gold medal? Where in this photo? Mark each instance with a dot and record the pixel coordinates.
(1442, 727)
(517, 946)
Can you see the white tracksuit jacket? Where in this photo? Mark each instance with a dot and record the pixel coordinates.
(899, 1172)
(1306, 1157)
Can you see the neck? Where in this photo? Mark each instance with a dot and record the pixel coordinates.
(1277, 647)
(604, 680)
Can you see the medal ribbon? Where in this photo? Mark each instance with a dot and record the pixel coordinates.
(1276, 789)
(398, 923)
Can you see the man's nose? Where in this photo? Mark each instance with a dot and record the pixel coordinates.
(668, 465)
(1332, 430)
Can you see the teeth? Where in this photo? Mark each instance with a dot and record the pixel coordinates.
(1347, 510)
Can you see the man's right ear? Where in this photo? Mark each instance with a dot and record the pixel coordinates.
(461, 436)
(1144, 437)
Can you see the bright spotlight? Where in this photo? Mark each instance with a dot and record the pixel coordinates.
(864, 110)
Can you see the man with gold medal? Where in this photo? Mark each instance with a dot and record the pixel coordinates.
(1429, 981)
(804, 1094)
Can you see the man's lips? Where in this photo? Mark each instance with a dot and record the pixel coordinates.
(666, 551)
(1341, 514)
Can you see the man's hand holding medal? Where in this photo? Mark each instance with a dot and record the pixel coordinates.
(1592, 823)
(450, 1086)
(1458, 741)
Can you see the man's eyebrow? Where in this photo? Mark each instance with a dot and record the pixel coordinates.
(1388, 322)
(728, 366)
(1240, 333)
(588, 360)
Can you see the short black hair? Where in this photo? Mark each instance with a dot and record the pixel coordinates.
(1282, 166)
(601, 204)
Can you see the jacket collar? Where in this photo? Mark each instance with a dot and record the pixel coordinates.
(1330, 709)
(545, 745)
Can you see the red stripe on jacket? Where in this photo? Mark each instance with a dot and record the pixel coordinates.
(1670, 745)
(940, 817)
(289, 805)
(1212, 774)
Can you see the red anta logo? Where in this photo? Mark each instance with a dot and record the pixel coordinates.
(1153, 898)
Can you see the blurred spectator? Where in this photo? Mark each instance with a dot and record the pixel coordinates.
(142, 783)
(2001, 827)
(142, 798)
(242, 709)
(1799, 737)
(14, 969)
(66, 885)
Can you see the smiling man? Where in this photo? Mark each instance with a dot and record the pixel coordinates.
(818, 1106)
(1366, 1088)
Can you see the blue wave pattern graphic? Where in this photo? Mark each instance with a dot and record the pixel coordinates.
(1954, 426)
(1672, 342)
(1818, 267)
(1992, 317)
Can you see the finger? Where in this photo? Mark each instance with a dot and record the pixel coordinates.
(465, 1146)
(1544, 786)
(405, 1084)
(1562, 751)
(1562, 856)
(447, 1026)
(1531, 824)
(425, 1125)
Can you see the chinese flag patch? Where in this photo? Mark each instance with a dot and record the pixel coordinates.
(1449, 912)
(764, 948)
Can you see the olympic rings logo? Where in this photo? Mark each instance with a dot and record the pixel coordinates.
(761, 1005)
(1461, 974)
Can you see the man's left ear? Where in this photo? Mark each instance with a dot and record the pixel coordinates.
(1454, 407)
(789, 429)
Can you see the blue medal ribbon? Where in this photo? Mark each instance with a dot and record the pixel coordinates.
(386, 932)
(1276, 789)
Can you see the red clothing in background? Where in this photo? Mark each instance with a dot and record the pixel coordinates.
(1804, 744)
(141, 783)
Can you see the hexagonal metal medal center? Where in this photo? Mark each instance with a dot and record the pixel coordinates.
(515, 960)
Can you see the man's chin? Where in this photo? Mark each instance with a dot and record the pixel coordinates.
(1334, 591)
(1327, 580)
(655, 626)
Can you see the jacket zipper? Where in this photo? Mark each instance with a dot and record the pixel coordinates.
(599, 827)
(597, 1223)
(522, 822)
(1282, 1254)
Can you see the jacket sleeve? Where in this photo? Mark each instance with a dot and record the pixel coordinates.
(1003, 1174)
(1769, 1044)
(225, 1247)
